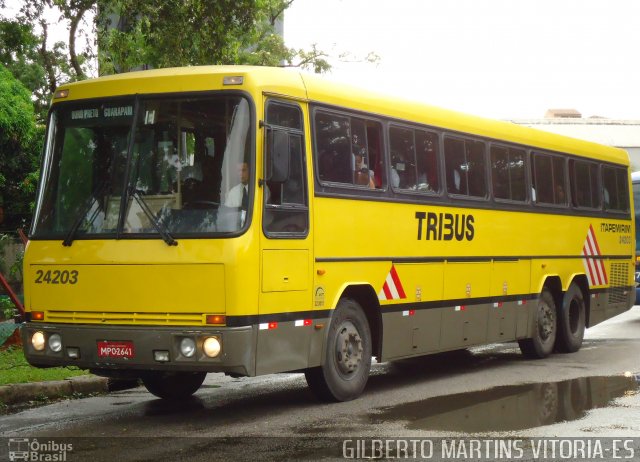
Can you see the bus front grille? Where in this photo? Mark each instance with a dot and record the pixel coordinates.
(128, 318)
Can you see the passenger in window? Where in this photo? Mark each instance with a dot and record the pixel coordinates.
(363, 175)
(395, 178)
(561, 197)
(397, 166)
(456, 181)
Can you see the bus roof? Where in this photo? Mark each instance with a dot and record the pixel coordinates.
(310, 87)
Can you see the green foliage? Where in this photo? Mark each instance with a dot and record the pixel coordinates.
(19, 148)
(6, 307)
(15, 369)
(19, 53)
(11, 267)
(172, 33)
(25, 51)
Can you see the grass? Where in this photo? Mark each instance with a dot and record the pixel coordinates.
(15, 369)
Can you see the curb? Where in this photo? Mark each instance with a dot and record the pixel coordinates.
(18, 393)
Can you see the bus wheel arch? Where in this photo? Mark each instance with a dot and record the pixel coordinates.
(366, 297)
(572, 315)
(346, 355)
(554, 285)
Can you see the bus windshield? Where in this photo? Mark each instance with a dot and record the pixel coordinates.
(152, 166)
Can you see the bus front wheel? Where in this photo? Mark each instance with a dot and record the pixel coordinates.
(173, 386)
(571, 320)
(544, 337)
(347, 355)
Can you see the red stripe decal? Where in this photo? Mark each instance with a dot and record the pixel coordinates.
(396, 281)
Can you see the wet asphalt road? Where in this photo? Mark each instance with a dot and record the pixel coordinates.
(489, 391)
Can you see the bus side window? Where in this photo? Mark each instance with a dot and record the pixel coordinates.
(549, 177)
(414, 159)
(349, 150)
(465, 167)
(583, 176)
(286, 211)
(476, 168)
(507, 173)
(454, 164)
(360, 151)
(615, 189)
(403, 156)
(427, 161)
(333, 144)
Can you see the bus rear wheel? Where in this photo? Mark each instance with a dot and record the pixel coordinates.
(173, 386)
(544, 337)
(571, 320)
(347, 356)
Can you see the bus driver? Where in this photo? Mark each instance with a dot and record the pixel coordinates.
(238, 196)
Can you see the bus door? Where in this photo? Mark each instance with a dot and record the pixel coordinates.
(286, 254)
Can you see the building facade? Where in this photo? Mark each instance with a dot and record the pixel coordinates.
(623, 134)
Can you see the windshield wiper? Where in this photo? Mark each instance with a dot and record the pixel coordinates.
(93, 198)
(159, 227)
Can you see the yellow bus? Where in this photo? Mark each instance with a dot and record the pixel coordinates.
(256, 220)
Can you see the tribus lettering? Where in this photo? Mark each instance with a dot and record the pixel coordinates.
(444, 226)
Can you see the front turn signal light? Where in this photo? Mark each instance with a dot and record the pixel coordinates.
(216, 319)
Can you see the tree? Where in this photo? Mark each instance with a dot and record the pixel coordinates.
(193, 32)
(19, 148)
(26, 52)
(130, 34)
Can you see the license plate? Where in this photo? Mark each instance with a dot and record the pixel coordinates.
(122, 349)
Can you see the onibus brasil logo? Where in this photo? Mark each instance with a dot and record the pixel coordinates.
(33, 450)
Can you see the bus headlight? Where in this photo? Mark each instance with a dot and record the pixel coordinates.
(187, 347)
(212, 347)
(37, 341)
(55, 343)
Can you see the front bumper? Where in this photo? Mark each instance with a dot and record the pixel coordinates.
(236, 357)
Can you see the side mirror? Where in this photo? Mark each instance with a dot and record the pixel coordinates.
(278, 158)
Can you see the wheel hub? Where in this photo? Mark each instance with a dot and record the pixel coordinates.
(348, 349)
(546, 321)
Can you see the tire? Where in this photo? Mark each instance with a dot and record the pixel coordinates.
(173, 386)
(347, 356)
(571, 320)
(544, 337)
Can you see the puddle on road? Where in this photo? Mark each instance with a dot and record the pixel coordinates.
(511, 407)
